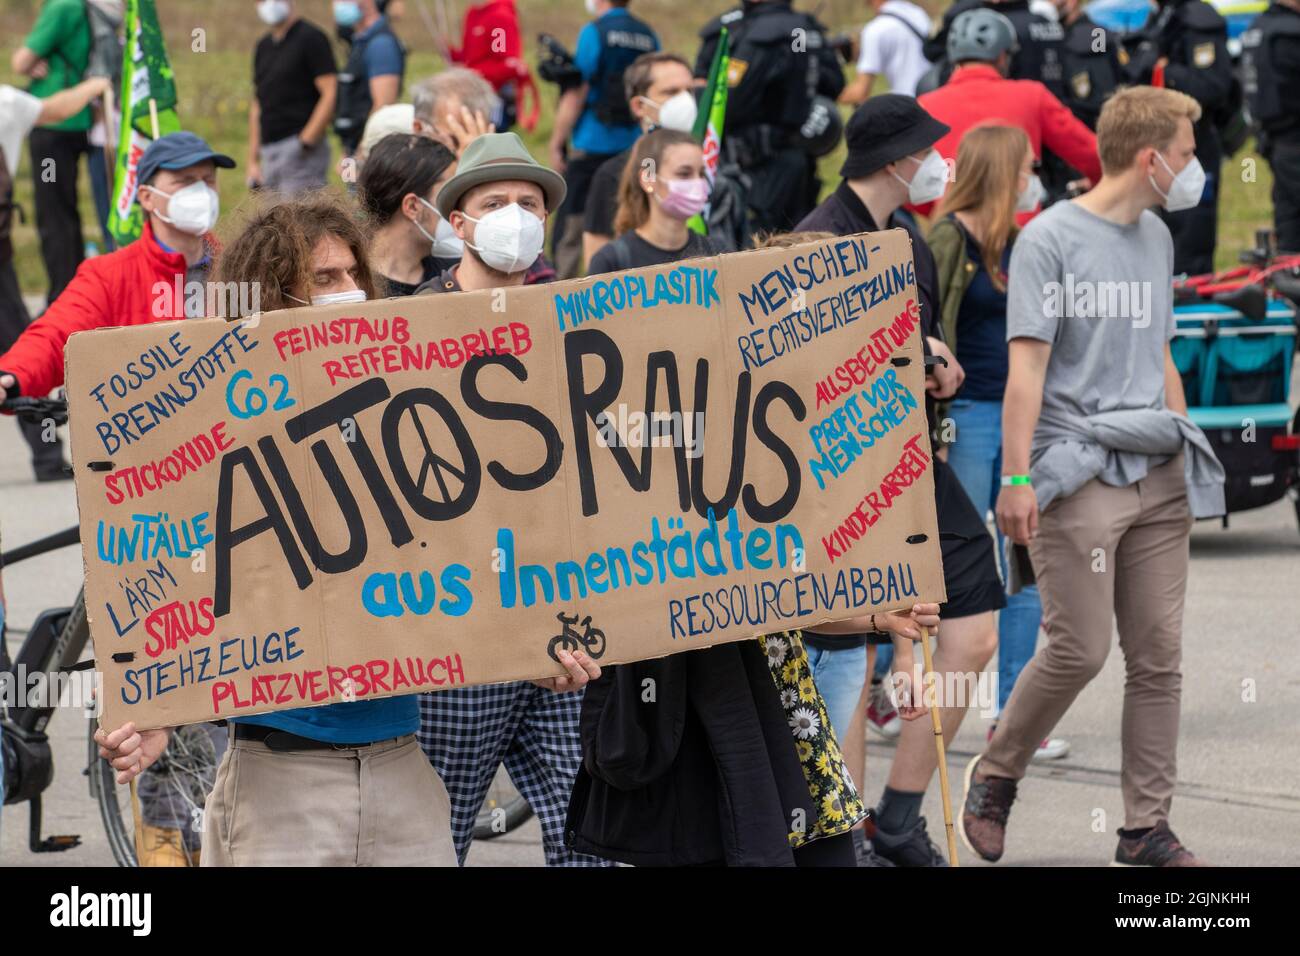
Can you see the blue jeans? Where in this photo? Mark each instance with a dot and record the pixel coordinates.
(976, 458)
(839, 675)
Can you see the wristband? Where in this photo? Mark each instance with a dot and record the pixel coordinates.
(1009, 480)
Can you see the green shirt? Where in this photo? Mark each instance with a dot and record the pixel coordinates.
(61, 37)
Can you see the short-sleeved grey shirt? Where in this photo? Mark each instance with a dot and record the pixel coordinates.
(1101, 293)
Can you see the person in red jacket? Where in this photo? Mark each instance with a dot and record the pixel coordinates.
(491, 46)
(980, 44)
(160, 276)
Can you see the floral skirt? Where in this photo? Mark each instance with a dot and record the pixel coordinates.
(839, 808)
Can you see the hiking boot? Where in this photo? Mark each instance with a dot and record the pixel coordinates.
(1157, 847)
(910, 848)
(986, 803)
(163, 846)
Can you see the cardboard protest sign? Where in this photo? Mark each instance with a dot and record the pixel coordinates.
(357, 501)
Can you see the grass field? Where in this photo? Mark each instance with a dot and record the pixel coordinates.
(211, 41)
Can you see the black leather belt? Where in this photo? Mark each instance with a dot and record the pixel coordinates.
(282, 740)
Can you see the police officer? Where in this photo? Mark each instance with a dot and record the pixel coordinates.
(372, 76)
(1092, 62)
(1270, 59)
(1039, 57)
(781, 113)
(597, 115)
(1184, 46)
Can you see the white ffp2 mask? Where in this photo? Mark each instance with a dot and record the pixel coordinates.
(1033, 194)
(678, 111)
(929, 182)
(508, 239)
(1186, 189)
(444, 243)
(192, 210)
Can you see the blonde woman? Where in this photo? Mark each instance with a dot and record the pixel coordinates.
(971, 241)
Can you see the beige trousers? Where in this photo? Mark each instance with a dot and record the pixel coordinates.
(1107, 555)
(381, 805)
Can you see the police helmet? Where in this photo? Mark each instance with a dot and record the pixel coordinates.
(980, 34)
(822, 128)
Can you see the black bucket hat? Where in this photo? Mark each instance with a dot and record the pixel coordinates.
(884, 129)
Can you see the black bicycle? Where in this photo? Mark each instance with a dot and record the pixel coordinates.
(165, 804)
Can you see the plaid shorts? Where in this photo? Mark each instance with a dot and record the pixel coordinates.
(469, 732)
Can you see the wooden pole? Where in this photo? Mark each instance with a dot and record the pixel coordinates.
(153, 116)
(937, 724)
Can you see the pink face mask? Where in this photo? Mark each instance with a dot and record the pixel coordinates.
(686, 197)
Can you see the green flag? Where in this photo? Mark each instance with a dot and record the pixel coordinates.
(711, 119)
(146, 78)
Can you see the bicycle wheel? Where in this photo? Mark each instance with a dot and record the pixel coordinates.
(164, 814)
(503, 810)
(114, 803)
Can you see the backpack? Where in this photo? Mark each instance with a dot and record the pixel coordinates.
(905, 22)
(728, 207)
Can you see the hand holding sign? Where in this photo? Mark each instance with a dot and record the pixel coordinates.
(581, 669)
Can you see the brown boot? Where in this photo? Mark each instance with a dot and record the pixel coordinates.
(986, 804)
(1157, 847)
(162, 846)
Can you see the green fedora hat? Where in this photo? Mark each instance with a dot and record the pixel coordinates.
(493, 158)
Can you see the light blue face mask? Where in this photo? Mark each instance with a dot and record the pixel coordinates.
(347, 13)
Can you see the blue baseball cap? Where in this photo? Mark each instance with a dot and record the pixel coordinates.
(177, 151)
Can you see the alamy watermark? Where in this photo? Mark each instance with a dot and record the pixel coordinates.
(629, 428)
(24, 688)
(1089, 299)
(214, 300)
(948, 689)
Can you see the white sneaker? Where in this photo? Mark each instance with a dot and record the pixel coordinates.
(1052, 748)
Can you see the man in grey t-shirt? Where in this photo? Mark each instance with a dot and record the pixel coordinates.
(1089, 318)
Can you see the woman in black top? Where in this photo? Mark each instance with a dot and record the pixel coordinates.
(663, 186)
(738, 742)
(399, 183)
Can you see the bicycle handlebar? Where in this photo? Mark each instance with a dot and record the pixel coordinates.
(61, 539)
(36, 409)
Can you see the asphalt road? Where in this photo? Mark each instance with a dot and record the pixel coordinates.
(1238, 799)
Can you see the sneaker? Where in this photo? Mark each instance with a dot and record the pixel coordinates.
(866, 853)
(1157, 847)
(910, 848)
(986, 803)
(882, 715)
(1051, 748)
